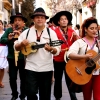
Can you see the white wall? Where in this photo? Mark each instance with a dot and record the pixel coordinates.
(5, 15)
(1, 12)
(1, 16)
(86, 12)
(98, 11)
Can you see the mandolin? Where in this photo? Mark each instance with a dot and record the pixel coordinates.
(80, 71)
(33, 47)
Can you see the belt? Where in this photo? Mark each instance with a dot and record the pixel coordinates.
(2, 44)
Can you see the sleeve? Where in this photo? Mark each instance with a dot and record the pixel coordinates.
(4, 38)
(74, 48)
(20, 38)
(53, 38)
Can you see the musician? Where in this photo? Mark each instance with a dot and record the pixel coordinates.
(78, 51)
(62, 19)
(9, 38)
(39, 65)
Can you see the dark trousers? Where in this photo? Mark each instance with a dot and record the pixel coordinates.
(59, 68)
(38, 82)
(13, 72)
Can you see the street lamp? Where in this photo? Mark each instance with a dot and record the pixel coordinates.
(13, 7)
(19, 6)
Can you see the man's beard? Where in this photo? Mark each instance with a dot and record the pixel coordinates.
(63, 26)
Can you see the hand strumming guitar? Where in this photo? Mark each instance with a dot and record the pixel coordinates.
(24, 43)
(50, 49)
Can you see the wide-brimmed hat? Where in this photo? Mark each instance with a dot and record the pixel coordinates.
(59, 14)
(18, 15)
(51, 19)
(70, 23)
(39, 12)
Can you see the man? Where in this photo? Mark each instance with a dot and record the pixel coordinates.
(8, 38)
(70, 25)
(62, 20)
(51, 24)
(39, 65)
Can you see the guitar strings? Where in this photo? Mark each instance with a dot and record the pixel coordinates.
(86, 63)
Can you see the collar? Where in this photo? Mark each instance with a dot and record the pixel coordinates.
(37, 30)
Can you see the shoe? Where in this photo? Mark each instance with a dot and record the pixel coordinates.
(1, 85)
(13, 98)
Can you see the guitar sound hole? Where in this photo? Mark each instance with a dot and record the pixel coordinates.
(33, 47)
(90, 66)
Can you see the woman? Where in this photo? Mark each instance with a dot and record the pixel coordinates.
(3, 55)
(78, 51)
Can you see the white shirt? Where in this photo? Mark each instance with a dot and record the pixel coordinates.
(42, 60)
(77, 32)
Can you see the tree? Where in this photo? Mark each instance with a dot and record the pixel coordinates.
(58, 5)
(27, 9)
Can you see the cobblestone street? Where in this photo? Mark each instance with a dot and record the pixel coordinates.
(5, 93)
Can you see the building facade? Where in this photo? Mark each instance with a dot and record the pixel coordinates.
(5, 8)
(90, 8)
(1, 11)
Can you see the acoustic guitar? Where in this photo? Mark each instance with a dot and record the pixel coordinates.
(80, 71)
(33, 47)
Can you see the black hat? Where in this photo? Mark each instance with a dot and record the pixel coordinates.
(59, 14)
(70, 23)
(39, 11)
(11, 22)
(51, 19)
(18, 15)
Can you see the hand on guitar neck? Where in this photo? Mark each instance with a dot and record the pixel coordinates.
(27, 48)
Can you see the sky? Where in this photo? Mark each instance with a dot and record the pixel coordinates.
(37, 3)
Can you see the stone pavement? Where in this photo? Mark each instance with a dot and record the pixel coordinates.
(5, 93)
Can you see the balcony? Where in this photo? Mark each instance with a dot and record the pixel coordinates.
(7, 5)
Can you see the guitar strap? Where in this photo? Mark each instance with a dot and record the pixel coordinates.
(98, 44)
(47, 31)
(27, 33)
(26, 38)
(49, 34)
(87, 45)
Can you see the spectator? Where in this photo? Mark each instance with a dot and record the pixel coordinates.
(3, 56)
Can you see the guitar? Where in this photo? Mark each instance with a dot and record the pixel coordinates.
(33, 47)
(80, 71)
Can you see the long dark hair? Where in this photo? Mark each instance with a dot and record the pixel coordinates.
(87, 22)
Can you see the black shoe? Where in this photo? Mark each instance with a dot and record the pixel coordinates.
(22, 99)
(13, 98)
(57, 99)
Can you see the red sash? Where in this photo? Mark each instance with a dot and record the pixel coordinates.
(2, 44)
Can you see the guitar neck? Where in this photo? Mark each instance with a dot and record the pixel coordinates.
(53, 43)
(38, 46)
